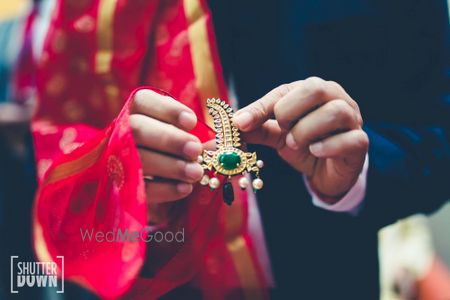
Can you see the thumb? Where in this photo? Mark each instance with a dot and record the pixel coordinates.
(258, 112)
(269, 134)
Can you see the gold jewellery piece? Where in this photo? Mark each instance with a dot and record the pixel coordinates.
(228, 159)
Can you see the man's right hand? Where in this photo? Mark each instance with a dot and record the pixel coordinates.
(167, 151)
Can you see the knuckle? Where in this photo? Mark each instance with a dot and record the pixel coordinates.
(282, 90)
(140, 94)
(139, 98)
(278, 112)
(314, 79)
(173, 112)
(174, 106)
(178, 141)
(334, 107)
(135, 125)
(142, 99)
(354, 104)
(334, 85)
(298, 128)
(178, 137)
(316, 85)
(359, 119)
(166, 141)
(259, 109)
(342, 112)
(180, 167)
(300, 132)
(144, 95)
(348, 116)
(281, 115)
(357, 111)
(362, 140)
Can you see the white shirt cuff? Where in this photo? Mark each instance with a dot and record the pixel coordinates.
(350, 202)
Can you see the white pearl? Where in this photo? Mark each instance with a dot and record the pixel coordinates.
(214, 183)
(204, 180)
(258, 184)
(199, 159)
(260, 164)
(243, 182)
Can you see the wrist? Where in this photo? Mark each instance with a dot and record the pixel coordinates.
(332, 189)
(326, 197)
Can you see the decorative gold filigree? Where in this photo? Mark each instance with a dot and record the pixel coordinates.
(228, 159)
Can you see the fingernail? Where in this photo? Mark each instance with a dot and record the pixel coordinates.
(184, 188)
(316, 148)
(290, 142)
(192, 149)
(193, 171)
(242, 120)
(187, 119)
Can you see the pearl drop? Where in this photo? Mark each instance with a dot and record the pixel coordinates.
(214, 183)
(243, 183)
(199, 159)
(260, 164)
(258, 184)
(204, 180)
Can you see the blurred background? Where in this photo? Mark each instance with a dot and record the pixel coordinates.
(440, 222)
(440, 227)
(414, 253)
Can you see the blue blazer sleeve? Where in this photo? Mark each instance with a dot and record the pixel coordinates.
(409, 154)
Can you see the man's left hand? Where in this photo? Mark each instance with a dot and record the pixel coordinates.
(317, 130)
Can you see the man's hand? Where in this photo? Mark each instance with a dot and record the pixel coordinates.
(167, 151)
(317, 130)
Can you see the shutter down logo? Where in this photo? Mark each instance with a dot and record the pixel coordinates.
(36, 274)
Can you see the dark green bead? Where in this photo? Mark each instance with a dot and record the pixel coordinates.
(228, 193)
(229, 160)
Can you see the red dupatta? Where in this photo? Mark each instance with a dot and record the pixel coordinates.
(95, 54)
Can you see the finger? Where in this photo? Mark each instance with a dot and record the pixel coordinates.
(334, 116)
(352, 144)
(163, 108)
(167, 191)
(155, 164)
(268, 134)
(255, 114)
(305, 97)
(210, 145)
(154, 134)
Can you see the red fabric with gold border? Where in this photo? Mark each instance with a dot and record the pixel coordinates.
(96, 53)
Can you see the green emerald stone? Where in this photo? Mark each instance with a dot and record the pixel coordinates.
(229, 160)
